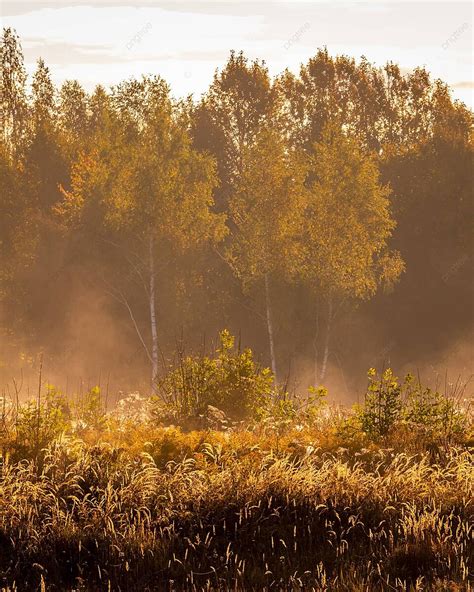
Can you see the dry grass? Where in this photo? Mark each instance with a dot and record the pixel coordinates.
(237, 514)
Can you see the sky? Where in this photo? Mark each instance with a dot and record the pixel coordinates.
(106, 41)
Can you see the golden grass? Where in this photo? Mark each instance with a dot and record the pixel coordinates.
(216, 511)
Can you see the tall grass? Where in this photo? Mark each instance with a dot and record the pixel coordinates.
(98, 517)
(292, 498)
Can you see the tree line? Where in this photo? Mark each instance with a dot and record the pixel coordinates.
(302, 211)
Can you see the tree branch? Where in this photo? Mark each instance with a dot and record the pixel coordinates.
(120, 297)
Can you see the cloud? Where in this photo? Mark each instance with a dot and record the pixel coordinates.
(113, 27)
(466, 84)
(112, 39)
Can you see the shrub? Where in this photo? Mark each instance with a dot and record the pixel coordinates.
(39, 422)
(382, 405)
(230, 380)
(416, 410)
(311, 409)
(90, 411)
(434, 417)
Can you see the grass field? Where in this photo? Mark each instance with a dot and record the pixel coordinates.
(307, 503)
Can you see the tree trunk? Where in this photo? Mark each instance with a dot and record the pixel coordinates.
(270, 326)
(326, 342)
(315, 346)
(154, 332)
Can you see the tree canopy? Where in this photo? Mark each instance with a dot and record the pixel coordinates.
(308, 212)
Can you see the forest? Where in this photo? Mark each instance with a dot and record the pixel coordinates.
(323, 217)
(236, 331)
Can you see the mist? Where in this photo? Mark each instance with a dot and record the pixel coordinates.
(107, 271)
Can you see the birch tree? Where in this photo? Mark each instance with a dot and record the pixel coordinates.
(265, 213)
(12, 93)
(239, 104)
(347, 226)
(150, 187)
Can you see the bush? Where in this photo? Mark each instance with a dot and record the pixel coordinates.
(433, 416)
(230, 380)
(411, 408)
(382, 404)
(90, 411)
(38, 423)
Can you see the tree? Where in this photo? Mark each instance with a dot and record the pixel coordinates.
(150, 187)
(265, 213)
(18, 231)
(330, 89)
(45, 168)
(43, 96)
(347, 225)
(432, 197)
(72, 117)
(239, 104)
(13, 93)
(100, 110)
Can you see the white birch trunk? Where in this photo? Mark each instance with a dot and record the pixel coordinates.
(326, 343)
(316, 349)
(270, 326)
(152, 303)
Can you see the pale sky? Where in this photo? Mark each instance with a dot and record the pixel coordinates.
(106, 41)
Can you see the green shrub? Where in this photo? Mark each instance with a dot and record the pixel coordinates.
(39, 422)
(425, 413)
(90, 411)
(230, 380)
(434, 416)
(311, 408)
(382, 405)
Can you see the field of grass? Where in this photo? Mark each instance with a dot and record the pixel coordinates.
(243, 510)
(304, 497)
